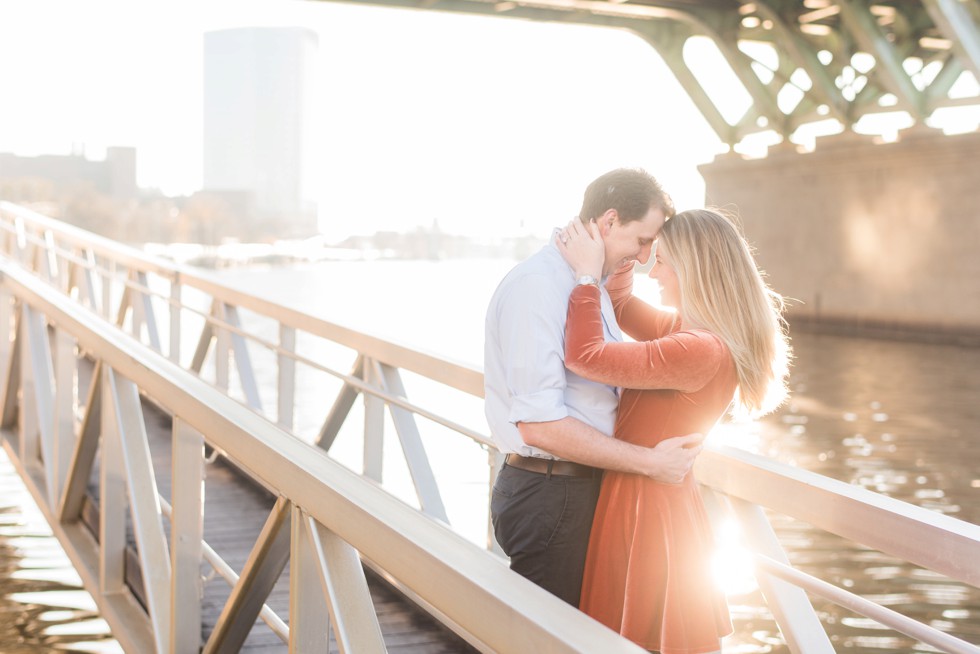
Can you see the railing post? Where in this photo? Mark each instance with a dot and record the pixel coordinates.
(7, 336)
(51, 267)
(222, 347)
(88, 274)
(107, 278)
(175, 331)
(151, 544)
(21, 240)
(143, 307)
(112, 496)
(186, 534)
(287, 377)
(309, 619)
(789, 604)
(9, 358)
(352, 613)
(29, 424)
(374, 425)
(66, 366)
(246, 375)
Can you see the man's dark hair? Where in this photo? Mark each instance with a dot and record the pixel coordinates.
(630, 191)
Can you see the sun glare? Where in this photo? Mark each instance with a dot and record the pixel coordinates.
(732, 566)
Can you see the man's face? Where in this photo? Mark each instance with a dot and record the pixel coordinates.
(630, 241)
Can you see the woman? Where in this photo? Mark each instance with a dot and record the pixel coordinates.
(647, 574)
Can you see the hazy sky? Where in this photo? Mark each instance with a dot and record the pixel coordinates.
(489, 126)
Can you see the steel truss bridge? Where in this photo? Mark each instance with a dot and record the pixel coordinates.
(800, 62)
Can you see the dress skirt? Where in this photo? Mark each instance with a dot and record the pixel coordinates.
(648, 570)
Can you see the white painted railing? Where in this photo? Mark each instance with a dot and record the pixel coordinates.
(325, 516)
(81, 292)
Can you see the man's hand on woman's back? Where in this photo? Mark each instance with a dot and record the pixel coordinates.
(671, 459)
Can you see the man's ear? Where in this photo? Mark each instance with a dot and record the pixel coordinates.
(606, 220)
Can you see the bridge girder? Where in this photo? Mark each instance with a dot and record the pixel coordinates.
(838, 59)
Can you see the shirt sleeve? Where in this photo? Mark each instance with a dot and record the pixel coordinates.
(684, 361)
(532, 335)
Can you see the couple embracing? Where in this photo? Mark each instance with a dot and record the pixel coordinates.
(595, 502)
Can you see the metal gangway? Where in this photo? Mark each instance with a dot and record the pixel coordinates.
(98, 387)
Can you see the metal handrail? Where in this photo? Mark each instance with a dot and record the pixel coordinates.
(460, 376)
(924, 633)
(927, 538)
(498, 608)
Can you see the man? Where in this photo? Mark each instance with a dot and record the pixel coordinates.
(553, 426)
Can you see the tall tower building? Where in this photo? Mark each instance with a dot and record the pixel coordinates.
(258, 97)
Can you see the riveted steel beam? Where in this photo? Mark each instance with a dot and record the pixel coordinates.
(722, 28)
(888, 70)
(669, 44)
(939, 89)
(803, 54)
(891, 31)
(955, 21)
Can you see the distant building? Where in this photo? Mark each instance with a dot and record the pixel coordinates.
(115, 176)
(258, 86)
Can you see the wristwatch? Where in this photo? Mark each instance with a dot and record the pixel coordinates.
(586, 279)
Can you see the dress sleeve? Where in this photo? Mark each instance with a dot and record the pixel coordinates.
(641, 321)
(684, 361)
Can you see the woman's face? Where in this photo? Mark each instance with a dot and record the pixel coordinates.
(663, 271)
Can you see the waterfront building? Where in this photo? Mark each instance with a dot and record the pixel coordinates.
(258, 86)
(114, 176)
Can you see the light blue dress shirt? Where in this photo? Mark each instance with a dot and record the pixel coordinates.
(525, 378)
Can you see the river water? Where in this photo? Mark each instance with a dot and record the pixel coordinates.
(43, 607)
(897, 418)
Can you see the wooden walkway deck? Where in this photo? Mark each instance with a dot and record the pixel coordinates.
(235, 510)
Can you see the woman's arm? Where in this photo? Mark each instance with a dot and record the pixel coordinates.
(684, 361)
(583, 249)
(642, 321)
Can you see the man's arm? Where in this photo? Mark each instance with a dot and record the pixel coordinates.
(574, 440)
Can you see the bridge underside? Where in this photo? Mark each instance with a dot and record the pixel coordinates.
(824, 64)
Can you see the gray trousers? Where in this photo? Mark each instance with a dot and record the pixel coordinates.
(543, 523)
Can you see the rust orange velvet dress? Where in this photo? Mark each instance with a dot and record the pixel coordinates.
(647, 573)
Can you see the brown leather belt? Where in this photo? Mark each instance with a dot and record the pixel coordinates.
(551, 466)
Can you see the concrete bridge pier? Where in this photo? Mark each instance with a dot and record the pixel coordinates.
(878, 238)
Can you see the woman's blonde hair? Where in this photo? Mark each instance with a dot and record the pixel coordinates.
(723, 291)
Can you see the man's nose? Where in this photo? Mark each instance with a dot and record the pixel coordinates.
(644, 254)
